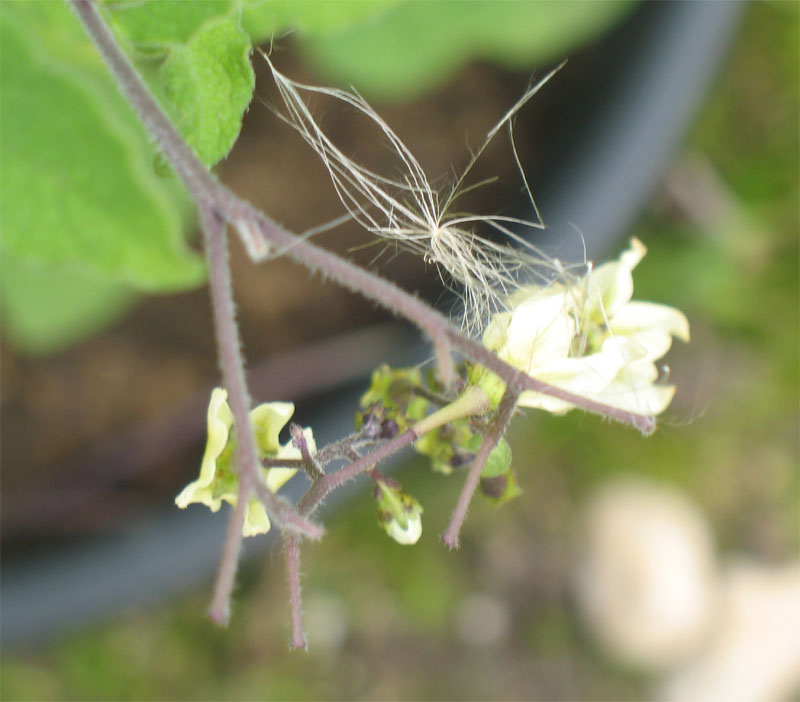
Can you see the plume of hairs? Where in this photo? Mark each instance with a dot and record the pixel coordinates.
(410, 212)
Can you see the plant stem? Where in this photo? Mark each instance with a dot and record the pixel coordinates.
(219, 611)
(318, 491)
(229, 352)
(470, 403)
(291, 551)
(497, 428)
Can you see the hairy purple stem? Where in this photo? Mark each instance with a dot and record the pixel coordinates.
(310, 465)
(291, 551)
(233, 376)
(497, 428)
(229, 351)
(317, 492)
(219, 611)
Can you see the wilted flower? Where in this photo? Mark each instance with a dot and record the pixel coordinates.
(398, 513)
(218, 479)
(590, 338)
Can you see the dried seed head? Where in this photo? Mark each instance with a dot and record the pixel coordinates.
(410, 212)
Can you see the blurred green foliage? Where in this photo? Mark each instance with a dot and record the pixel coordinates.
(731, 443)
(412, 47)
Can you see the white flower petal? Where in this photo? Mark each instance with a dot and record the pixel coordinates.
(278, 477)
(408, 536)
(610, 286)
(217, 484)
(637, 316)
(590, 339)
(540, 330)
(588, 376)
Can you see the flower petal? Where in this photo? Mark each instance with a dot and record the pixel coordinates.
(268, 419)
(219, 422)
(540, 330)
(256, 520)
(636, 316)
(610, 286)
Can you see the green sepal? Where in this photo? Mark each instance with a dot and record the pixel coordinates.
(391, 397)
(499, 461)
(492, 384)
(449, 447)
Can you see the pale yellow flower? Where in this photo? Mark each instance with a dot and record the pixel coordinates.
(590, 338)
(218, 480)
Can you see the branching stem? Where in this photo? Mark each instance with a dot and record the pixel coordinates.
(228, 348)
(219, 207)
(497, 428)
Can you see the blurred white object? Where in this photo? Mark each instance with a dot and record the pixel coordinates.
(754, 655)
(647, 583)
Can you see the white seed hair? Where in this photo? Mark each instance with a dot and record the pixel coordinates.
(410, 212)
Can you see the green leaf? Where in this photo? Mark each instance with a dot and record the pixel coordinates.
(162, 23)
(414, 46)
(209, 81)
(79, 192)
(45, 309)
(499, 460)
(203, 76)
(265, 19)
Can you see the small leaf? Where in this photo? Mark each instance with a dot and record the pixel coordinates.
(391, 398)
(209, 81)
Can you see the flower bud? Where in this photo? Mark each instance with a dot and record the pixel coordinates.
(398, 513)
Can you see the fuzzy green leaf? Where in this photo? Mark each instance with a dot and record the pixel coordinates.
(203, 77)
(79, 190)
(209, 82)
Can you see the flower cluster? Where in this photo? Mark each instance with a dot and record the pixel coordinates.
(589, 338)
(218, 481)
